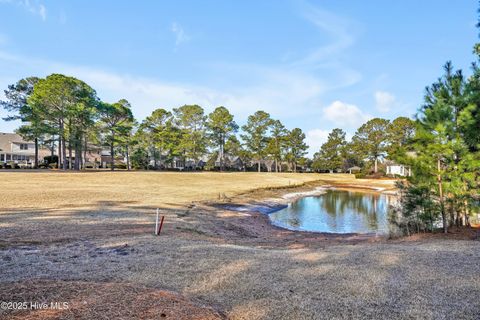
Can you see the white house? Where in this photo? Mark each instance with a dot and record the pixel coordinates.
(14, 149)
(398, 169)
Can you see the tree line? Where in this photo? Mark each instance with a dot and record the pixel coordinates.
(374, 141)
(65, 114)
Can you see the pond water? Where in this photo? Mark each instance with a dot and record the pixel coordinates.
(336, 211)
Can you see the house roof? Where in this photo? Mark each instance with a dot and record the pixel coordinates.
(228, 158)
(7, 138)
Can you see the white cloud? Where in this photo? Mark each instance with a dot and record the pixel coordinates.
(33, 6)
(180, 35)
(281, 92)
(315, 138)
(384, 101)
(339, 29)
(345, 115)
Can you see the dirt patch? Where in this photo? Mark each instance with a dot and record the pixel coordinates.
(87, 300)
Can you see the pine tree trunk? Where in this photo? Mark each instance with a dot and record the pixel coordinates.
(154, 159)
(64, 148)
(259, 166)
(465, 213)
(128, 158)
(112, 157)
(64, 154)
(440, 194)
(70, 154)
(78, 153)
(75, 164)
(222, 154)
(59, 160)
(376, 165)
(84, 152)
(36, 154)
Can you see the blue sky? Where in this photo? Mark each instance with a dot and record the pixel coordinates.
(315, 65)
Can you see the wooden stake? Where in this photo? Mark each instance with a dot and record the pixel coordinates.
(161, 224)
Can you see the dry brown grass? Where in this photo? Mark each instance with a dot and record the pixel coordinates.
(47, 190)
(87, 300)
(88, 238)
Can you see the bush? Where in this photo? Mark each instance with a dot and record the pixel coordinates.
(11, 165)
(116, 165)
(120, 165)
(50, 159)
(140, 159)
(416, 211)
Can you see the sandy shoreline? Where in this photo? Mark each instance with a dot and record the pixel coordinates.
(282, 198)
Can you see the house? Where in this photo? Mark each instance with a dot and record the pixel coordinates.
(230, 162)
(393, 168)
(15, 150)
(354, 169)
(105, 159)
(177, 163)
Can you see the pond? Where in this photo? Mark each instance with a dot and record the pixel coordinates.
(336, 211)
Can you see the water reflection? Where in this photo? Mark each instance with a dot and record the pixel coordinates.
(336, 211)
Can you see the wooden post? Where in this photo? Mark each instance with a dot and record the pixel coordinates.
(161, 224)
(156, 224)
(158, 227)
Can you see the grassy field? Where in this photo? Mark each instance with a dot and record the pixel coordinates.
(45, 190)
(87, 238)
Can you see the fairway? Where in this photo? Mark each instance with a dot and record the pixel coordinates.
(47, 190)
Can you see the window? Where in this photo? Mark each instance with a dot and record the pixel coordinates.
(2, 157)
(23, 146)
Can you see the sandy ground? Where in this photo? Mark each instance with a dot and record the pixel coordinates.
(87, 239)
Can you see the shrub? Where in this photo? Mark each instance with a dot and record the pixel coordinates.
(416, 211)
(50, 159)
(120, 165)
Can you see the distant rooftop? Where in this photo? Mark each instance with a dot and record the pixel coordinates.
(7, 138)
